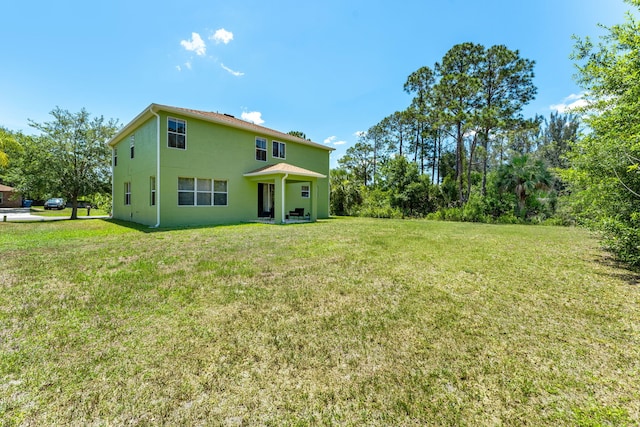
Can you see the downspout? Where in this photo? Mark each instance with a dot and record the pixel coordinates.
(113, 181)
(157, 167)
(284, 178)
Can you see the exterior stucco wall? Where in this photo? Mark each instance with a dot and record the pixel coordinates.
(138, 171)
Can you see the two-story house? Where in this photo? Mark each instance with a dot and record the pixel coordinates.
(175, 166)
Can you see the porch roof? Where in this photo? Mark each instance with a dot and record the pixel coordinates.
(284, 168)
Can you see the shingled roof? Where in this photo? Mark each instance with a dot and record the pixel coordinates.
(284, 168)
(213, 117)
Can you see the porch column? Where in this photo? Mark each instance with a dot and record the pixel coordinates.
(279, 197)
(314, 200)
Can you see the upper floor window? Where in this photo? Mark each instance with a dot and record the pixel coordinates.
(115, 157)
(278, 149)
(132, 142)
(261, 149)
(177, 133)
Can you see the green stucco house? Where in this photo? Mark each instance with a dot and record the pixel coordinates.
(175, 166)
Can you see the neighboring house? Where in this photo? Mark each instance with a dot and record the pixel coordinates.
(174, 166)
(9, 198)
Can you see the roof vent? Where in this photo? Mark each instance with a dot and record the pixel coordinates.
(229, 115)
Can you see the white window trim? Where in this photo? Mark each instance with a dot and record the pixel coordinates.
(284, 148)
(195, 192)
(308, 191)
(132, 145)
(177, 133)
(115, 157)
(265, 149)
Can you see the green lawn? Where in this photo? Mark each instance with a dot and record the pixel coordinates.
(341, 322)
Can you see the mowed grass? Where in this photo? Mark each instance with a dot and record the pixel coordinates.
(341, 322)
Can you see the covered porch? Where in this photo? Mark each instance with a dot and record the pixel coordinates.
(285, 193)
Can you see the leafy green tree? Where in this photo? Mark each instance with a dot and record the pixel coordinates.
(358, 161)
(606, 160)
(346, 196)
(30, 171)
(397, 127)
(73, 150)
(8, 143)
(523, 176)
(408, 190)
(558, 138)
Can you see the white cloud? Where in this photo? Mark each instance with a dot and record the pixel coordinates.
(188, 64)
(330, 139)
(235, 73)
(178, 68)
(222, 36)
(253, 117)
(570, 103)
(196, 44)
(359, 133)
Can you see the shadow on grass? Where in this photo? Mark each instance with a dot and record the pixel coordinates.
(621, 271)
(148, 229)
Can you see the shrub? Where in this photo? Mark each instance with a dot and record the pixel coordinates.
(623, 238)
(376, 204)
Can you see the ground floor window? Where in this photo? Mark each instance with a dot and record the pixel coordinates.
(152, 186)
(1, 198)
(202, 192)
(127, 193)
(220, 193)
(305, 191)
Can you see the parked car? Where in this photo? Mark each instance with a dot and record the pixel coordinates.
(55, 203)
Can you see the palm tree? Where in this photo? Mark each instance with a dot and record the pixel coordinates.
(523, 176)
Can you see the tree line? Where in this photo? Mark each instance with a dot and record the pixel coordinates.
(463, 151)
(462, 148)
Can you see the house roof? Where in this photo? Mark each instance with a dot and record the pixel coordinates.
(284, 168)
(6, 188)
(210, 116)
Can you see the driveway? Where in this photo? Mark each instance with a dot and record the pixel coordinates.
(24, 214)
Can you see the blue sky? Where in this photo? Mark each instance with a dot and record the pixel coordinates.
(329, 68)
